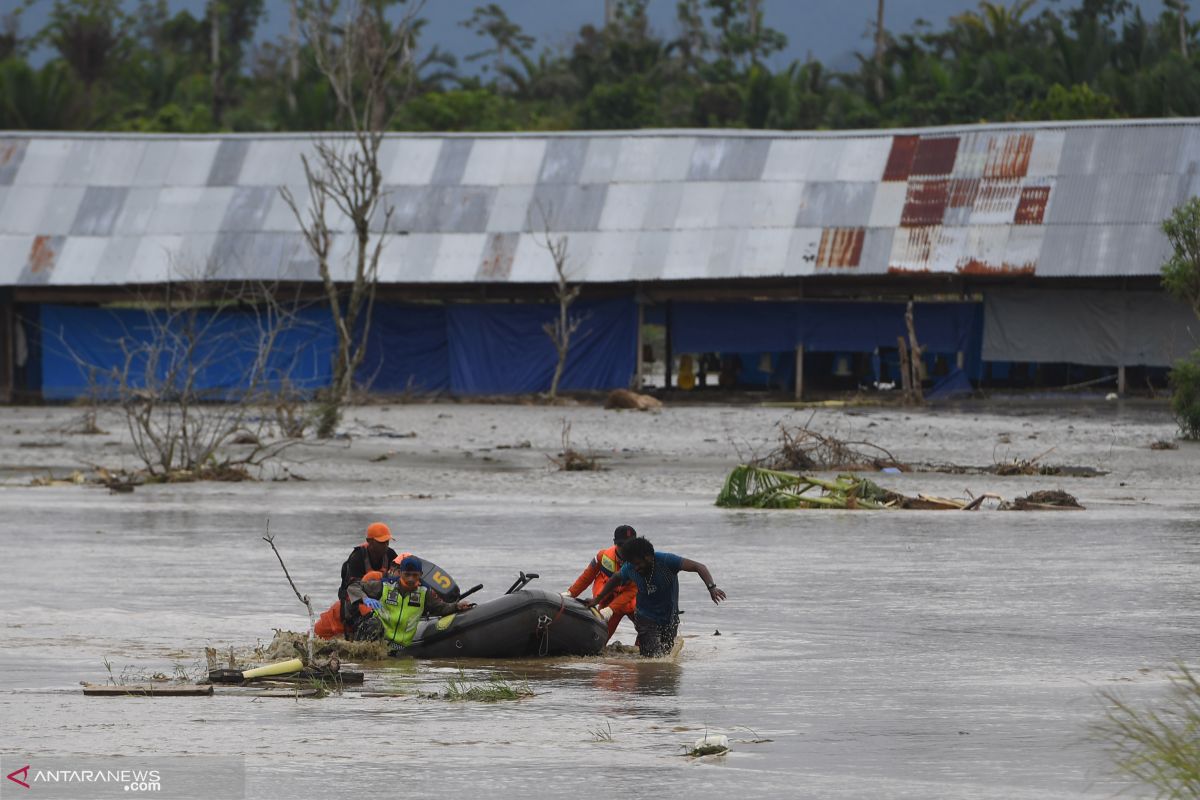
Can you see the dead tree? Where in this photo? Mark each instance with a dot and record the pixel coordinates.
(564, 326)
(365, 60)
(180, 425)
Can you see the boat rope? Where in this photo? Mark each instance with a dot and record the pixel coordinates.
(543, 627)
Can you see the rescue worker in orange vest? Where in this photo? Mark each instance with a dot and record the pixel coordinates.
(375, 554)
(600, 570)
(398, 602)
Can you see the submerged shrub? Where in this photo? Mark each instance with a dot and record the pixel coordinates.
(1185, 397)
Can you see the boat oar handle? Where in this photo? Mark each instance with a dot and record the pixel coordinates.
(471, 591)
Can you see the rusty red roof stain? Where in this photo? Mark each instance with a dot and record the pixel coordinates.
(1031, 209)
(997, 195)
(935, 156)
(1010, 157)
(497, 260)
(900, 159)
(895, 270)
(41, 255)
(7, 151)
(963, 192)
(920, 243)
(925, 203)
(975, 267)
(841, 247)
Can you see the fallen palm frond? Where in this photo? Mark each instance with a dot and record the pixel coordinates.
(755, 487)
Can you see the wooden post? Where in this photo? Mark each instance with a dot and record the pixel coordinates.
(8, 347)
(637, 375)
(669, 354)
(800, 371)
(1121, 381)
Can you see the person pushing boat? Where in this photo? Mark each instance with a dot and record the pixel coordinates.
(656, 575)
(600, 571)
(397, 603)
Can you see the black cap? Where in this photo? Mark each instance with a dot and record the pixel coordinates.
(623, 533)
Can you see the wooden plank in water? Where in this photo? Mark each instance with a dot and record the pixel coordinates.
(148, 690)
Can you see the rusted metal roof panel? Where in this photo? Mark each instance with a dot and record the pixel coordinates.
(900, 159)
(935, 156)
(840, 248)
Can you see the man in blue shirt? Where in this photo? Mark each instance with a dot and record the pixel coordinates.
(657, 578)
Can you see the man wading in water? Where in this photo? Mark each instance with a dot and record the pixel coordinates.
(657, 578)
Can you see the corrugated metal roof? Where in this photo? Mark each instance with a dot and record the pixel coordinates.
(1062, 199)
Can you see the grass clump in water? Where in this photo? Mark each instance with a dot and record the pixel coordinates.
(493, 690)
(604, 734)
(1158, 747)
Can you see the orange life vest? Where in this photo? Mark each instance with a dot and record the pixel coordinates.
(606, 564)
(329, 624)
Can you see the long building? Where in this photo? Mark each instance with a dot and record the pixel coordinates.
(1026, 243)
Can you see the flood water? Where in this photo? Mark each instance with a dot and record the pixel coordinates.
(907, 654)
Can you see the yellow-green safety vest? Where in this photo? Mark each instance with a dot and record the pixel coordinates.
(400, 612)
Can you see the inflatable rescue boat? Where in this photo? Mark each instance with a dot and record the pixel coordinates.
(522, 623)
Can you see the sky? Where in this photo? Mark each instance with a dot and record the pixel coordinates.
(828, 30)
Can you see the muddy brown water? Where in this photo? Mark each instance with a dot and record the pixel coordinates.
(906, 654)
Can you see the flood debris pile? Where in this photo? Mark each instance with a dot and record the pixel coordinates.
(803, 448)
(572, 460)
(748, 486)
(1046, 500)
(290, 644)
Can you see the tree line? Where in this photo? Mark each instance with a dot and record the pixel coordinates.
(146, 69)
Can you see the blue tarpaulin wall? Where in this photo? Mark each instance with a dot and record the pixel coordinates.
(501, 349)
(80, 344)
(468, 349)
(407, 350)
(819, 326)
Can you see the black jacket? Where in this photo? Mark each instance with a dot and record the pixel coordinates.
(356, 566)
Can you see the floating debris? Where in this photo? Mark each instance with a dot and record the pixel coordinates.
(710, 744)
(1046, 500)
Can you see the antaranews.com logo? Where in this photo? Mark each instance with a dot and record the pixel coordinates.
(131, 780)
(103, 777)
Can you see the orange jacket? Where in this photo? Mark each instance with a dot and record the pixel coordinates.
(329, 624)
(606, 564)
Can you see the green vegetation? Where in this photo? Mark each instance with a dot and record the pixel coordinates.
(151, 70)
(491, 691)
(1158, 747)
(1181, 277)
(1185, 396)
